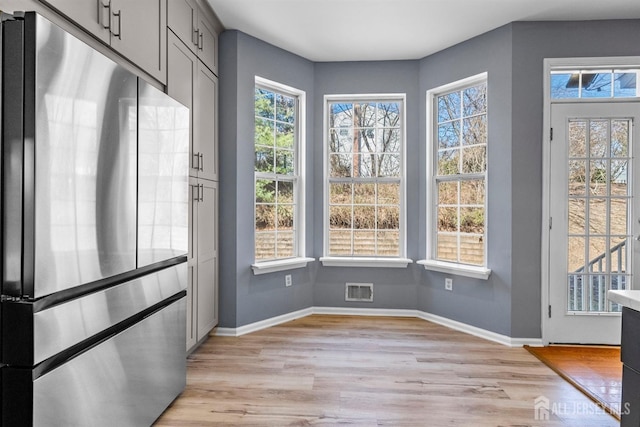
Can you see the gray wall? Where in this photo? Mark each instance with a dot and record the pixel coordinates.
(245, 298)
(393, 287)
(509, 302)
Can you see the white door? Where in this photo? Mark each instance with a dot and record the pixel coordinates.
(594, 218)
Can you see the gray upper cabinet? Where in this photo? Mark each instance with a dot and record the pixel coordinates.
(205, 124)
(93, 15)
(136, 29)
(196, 27)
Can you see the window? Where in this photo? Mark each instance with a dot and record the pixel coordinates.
(595, 83)
(457, 142)
(278, 212)
(364, 214)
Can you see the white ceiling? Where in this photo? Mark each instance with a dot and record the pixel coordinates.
(358, 30)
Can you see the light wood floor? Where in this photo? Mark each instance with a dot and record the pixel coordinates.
(368, 371)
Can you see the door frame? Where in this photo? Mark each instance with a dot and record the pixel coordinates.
(550, 64)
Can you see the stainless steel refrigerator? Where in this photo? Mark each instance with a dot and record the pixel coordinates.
(94, 235)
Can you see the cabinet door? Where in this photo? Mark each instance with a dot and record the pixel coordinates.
(138, 31)
(205, 124)
(207, 258)
(182, 69)
(92, 15)
(192, 265)
(207, 41)
(182, 17)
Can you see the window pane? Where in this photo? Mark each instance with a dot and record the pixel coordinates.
(389, 165)
(618, 218)
(264, 134)
(471, 250)
(474, 159)
(447, 193)
(472, 192)
(577, 216)
(475, 100)
(577, 177)
(285, 244)
(340, 165)
(341, 115)
(447, 247)
(265, 246)
(596, 85)
(365, 193)
(265, 217)
(265, 191)
(340, 193)
(619, 138)
(284, 162)
(285, 217)
(578, 138)
(364, 217)
(625, 85)
(449, 107)
(264, 103)
(364, 243)
(560, 87)
(285, 108)
(619, 176)
(448, 162)
(388, 243)
(598, 138)
(448, 219)
(285, 192)
(449, 135)
(388, 217)
(475, 130)
(340, 217)
(340, 242)
(389, 194)
(472, 220)
(341, 141)
(388, 114)
(388, 141)
(285, 136)
(264, 159)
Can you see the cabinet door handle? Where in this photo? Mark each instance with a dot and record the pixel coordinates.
(201, 161)
(119, 15)
(197, 36)
(195, 192)
(196, 161)
(202, 192)
(200, 40)
(101, 20)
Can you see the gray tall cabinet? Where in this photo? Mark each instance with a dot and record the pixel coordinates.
(191, 79)
(175, 43)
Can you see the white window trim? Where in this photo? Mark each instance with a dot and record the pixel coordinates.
(346, 261)
(352, 261)
(261, 267)
(280, 265)
(431, 263)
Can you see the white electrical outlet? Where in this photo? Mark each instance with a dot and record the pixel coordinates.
(448, 284)
(287, 280)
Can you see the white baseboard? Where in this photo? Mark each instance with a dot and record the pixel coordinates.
(263, 324)
(383, 312)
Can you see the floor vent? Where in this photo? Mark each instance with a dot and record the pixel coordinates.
(359, 292)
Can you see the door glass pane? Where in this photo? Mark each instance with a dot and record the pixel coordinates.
(598, 220)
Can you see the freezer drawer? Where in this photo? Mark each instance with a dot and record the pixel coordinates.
(127, 380)
(30, 336)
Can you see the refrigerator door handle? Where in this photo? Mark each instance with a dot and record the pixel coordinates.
(201, 161)
(202, 192)
(196, 161)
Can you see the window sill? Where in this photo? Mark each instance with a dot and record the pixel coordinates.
(457, 269)
(280, 265)
(328, 261)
